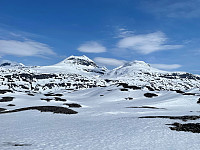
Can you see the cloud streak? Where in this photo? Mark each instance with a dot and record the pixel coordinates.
(24, 48)
(109, 61)
(173, 9)
(92, 47)
(147, 43)
(166, 66)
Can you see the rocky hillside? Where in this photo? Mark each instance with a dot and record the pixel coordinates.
(80, 72)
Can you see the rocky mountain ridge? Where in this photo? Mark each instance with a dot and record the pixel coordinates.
(80, 72)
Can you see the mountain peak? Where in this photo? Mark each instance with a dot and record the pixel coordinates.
(132, 68)
(7, 63)
(79, 60)
(137, 63)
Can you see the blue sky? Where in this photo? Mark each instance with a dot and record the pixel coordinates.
(164, 33)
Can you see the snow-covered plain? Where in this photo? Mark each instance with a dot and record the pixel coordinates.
(109, 118)
(103, 122)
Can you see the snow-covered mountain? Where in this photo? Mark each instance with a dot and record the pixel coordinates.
(142, 74)
(11, 64)
(80, 72)
(74, 64)
(130, 68)
(134, 106)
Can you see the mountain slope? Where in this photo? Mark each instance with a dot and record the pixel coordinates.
(80, 72)
(75, 64)
(142, 74)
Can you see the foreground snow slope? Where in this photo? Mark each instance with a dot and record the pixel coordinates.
(105, 121)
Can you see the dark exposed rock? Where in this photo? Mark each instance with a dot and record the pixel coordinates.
(2, 109)
(54, 109)
(148, 107)
(179, 91)
(189, 94)
(16, 144)
(129, 98)
(180, 76)
(101, 95)
(150, 88)
(108, 80)
(73, 105)
(125, 85)
(52, 94)
(60, 99)
(79, 61)
(150, 95)
(47, 99)
(5, 91)
(109, 90)
(6, 99)
(5, 64)
(11, 105)
(31, 94)
(123, 89)
(183, 118)
(189, 127)
(198, 102)
(22, 145)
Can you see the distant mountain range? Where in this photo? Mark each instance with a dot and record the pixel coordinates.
(80, 72)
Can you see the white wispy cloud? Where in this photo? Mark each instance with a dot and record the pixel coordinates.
(147, 43)
(109, 61)
(92, 47)
(173, 9)
(24, 48)
(166, 66)
(122, 33)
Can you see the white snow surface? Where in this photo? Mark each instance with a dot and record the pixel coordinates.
(103, 122)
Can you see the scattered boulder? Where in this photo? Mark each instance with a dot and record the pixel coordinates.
(193, 94)
(54, 109)
(189, 127)
(123, 89)
(73, 105)
(47, 99)
(150, 95)
(5, 91)
(198, 102)
(6, 99)
(179, 91)
(148, 107)
(16, 144)
(60, 99)
(11, 105)
(129, 98)
(52, 94)
(183, 118)
(150, 88)
(125, 85)
(2, 109)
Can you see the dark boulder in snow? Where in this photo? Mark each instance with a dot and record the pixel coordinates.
(52, 94)
(5, 91)
(11, 105)
(73, 105)
(2, 109)
(189, 127)
(123, 89)
(198, 102)
(54, 109)
(6, 99)
(150, 95)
